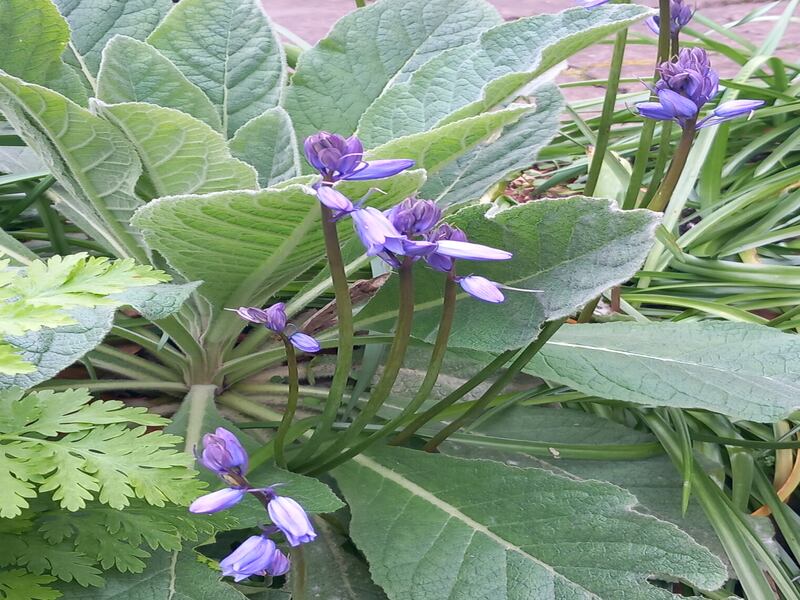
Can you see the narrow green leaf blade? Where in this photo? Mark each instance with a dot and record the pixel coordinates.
(180, 154)
(133, 71)
(708, 365)
(228, 49)
(476, 529)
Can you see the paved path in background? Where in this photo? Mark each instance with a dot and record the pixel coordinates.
(312, 19)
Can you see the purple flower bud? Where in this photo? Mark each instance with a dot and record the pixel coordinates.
(257, 555)
(445, 231)
(679, 16)
(730, 110)
(273, 318)
(481, 288)
(337, 158)
(375, 230)
(690, 76)
(222, 453)
(304, 342)
(335, 200)
(470, 251)
(414, 217)
(291, 519)
(217, 501)
(252, 314)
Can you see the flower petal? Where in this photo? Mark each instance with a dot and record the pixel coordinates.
(736, 108)
(679, 105)
(291, 519)
(481, 288)
(304, 342)
(334, 199)
(470, 251)
(217, 501)
(379, 169)
(654, 110)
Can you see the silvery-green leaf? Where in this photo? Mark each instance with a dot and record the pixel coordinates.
(88, 156)
(267, 142)
(228, 49)
(550, 438)
(372, 49)
(570, 248)
(133, 71)
(475, 529)
(169, 576)
(158, 301)
(33, 40)
(52, 350)
(180, 154)
(94, 22)
(432, 150)
(469, 177)
(708, 365)
(14, 250)
(476, 77)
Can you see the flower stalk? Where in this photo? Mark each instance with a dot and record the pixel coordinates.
(279, 440)
(662, 196)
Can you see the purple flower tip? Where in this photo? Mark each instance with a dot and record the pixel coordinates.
(335, 200)
(217, 501)
(304, 342)
(337, 158)
(291, 519)
(481, 288)
(273, 318)
(679, 16)
(222, 453)
(414, 217)
(470, 251)
(257, 555)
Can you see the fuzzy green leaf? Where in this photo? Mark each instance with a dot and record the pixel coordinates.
(267, 142)
(133, 71)
(476, 529)
(226, 48)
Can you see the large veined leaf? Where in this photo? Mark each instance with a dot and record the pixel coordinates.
(475, 529)
(33, 40)
(158, 301)
(489, 70)
(561, 439)
(133, 71)
(228, 49)
(471, 175)
(94, 22)
(180, 154)
(52, 350)
(96, 165)
(571, 249)
(434, 149)
(247, 245)
(174, 576)
(372, 49)
(267, 142)
(708, 365)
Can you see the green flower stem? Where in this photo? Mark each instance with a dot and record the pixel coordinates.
(291, 404)
(445, 403)
(394, 361)
(661, 199)
(431, 375)
(664, 151)
(298, 573)
(497, 387)
(344, 353)
(607, 116)
(646, 138)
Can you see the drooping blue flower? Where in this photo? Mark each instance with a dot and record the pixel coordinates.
(222, 453)
(217, 501)
(257, 555)
(679, 16)
(451, 243)
(291, 519)
(338, 158)
(414, 216)
(481, 288)
(274, 318)
(686, 85)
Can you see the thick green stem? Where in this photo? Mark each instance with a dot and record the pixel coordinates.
(497, 387)
(298, 573)
(394, 361)
(344, 353)
(452, 397)
(432, 374)
(646, 138)
(664, 151)
(607, 116)
(664, 193)
(291, 404)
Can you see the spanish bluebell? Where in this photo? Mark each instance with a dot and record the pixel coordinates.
(451, 243)
(291, 519)
(257, 555)
(338, 158)
(217, 501)
(274, 318)
(222, 453)
(481, 288)
(414, 216)
(679, 16)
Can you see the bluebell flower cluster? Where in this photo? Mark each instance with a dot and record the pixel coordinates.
(274, 318)
(685, 86)
(405, 232)
(679, 16)
(224, 455)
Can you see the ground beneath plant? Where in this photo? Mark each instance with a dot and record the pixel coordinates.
(311, 20)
